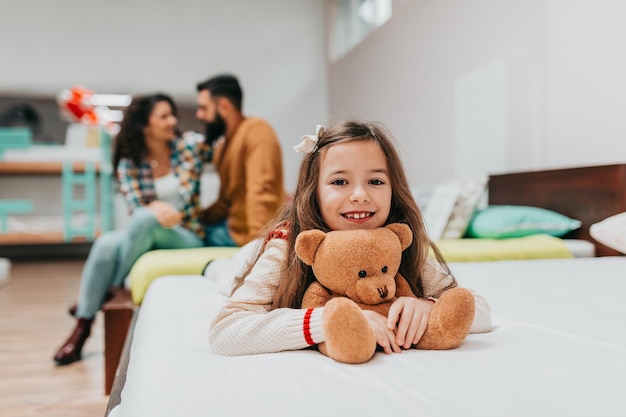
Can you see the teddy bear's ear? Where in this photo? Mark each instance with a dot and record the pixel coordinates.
(307, 243)
(404, 233)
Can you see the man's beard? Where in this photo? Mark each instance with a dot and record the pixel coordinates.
(215, 129)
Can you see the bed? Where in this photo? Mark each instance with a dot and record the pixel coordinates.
(561, 203)
(589, 194)
(557, 346)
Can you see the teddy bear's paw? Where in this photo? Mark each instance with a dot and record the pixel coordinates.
(450, 320)
(349, 337)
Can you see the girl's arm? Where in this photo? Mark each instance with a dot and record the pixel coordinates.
(435, 280)
(245, 325)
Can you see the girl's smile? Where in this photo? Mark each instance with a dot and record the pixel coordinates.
(354, 190)
(358, 216)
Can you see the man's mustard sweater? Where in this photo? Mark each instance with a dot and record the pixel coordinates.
(250, 169)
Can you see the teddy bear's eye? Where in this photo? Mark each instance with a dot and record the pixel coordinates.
(362, 273)
(385, 269)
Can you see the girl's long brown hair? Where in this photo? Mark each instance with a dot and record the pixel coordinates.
(303, 213)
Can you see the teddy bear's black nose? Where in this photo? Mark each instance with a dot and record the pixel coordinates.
(383, 292)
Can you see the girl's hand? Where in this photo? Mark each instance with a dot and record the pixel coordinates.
(166, 215)
(408, 316)
(384, 337)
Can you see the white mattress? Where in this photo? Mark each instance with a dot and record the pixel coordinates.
(558, 347)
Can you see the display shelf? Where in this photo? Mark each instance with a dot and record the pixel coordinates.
(38, 238)
(37, 174)
(39, 167)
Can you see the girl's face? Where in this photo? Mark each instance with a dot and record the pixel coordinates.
(161, 123)
(354, 191)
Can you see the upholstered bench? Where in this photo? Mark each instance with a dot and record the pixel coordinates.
(119, 310)
(160, 262)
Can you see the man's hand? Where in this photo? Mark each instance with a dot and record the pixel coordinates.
(215, 213)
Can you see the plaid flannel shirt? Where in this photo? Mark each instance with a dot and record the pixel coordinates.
(189, 153)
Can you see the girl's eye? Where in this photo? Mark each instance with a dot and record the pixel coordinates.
(339, 182)
(377, 182)
(362, 273)
(385, 269)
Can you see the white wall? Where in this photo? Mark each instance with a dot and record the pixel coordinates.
(586, 82)
(486, 86)
(276, 47)
(467, 87)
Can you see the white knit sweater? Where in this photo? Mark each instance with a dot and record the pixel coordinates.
(247, 326)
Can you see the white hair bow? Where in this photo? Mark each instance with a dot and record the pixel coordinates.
(309, 142)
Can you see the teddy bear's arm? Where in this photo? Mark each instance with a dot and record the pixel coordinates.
(315, 296)
(402, 287)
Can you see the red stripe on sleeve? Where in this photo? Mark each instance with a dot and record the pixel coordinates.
(306, 327)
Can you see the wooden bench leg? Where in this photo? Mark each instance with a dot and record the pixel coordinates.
(115, 397)
(118, 313)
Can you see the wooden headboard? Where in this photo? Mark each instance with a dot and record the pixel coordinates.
(589, 194)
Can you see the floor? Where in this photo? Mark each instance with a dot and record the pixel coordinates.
(33, 323)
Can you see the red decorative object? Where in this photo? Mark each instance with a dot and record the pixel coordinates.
(77, 107)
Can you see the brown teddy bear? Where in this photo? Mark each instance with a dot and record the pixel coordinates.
(358, 269)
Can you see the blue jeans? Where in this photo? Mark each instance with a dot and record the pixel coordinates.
(114, 253)
(217, 234)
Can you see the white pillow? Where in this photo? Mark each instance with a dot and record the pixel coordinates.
(224, 270)
(611, 232)
(449, 207)
(440, 205)
(469, 198)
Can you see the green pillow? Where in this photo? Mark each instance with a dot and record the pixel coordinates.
(518, 221)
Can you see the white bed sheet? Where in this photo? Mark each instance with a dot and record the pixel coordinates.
(558, 347)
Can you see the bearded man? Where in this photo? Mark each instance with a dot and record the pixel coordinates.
(247, 157)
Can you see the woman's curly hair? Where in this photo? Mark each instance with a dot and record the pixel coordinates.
(130, 142)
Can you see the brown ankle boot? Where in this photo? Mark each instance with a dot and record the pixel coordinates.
(71, 349)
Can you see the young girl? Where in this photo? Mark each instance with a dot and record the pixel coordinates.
(351, 178)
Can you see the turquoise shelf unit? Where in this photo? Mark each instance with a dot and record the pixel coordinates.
(12, 206)
(107, 190)
(72, 204)
(13, 138)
